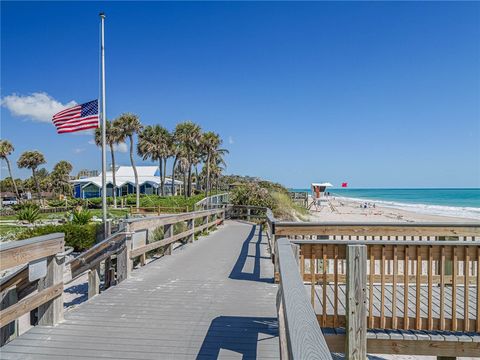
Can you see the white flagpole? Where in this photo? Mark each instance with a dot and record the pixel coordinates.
(104, 121)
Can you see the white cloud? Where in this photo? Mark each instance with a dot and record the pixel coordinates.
(91, 142)
(78, 150)
(230, 140)
(122, 147)
(38, 106)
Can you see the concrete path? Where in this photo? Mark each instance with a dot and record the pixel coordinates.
(211, 299)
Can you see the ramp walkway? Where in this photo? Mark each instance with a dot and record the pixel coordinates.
(213, 298)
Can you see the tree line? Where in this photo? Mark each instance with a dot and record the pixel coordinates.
(58, 181)
(187, 146)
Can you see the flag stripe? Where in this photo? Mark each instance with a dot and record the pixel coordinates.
(67, 110)
(67, 115)
(78, 126)
(78, 129)
(77, 118)
(73, 117)
(91, 119)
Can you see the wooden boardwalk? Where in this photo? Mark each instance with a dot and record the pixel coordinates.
(214, 298)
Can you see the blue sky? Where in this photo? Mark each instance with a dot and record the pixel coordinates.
(376, 94)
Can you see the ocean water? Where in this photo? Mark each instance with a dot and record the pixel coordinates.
(447, 202)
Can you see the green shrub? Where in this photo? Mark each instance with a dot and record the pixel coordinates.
(30, 214)
(158, 234)
(24, 205)
(56, 203)
(252, 194)
(179, 227)
(94, 203)
(80, 237)
(81, 217)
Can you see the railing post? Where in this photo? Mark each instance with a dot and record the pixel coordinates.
(8, 331)
(108, 229)
(124, 263)
(51, 313)
(191, 226)
(94, 281)
(168, 232)
(356, 309)
(248, 214)
(108, 276)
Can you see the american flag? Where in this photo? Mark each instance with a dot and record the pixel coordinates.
(77, 118)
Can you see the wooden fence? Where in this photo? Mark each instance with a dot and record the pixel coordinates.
(444, 281)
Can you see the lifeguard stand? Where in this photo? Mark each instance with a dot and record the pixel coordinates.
(318, 196)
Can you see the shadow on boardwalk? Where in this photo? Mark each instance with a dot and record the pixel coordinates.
(237, 334)
(239, 271)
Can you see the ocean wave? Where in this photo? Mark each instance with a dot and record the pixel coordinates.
(452, 211)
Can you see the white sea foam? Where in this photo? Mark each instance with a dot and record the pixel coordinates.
(452, 211)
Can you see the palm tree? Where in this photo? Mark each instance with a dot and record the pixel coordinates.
(217, 164)
(6, 149)
(210, 143)
(60, 177)
(31, 160)
(129, 125)
(183, 167)
(174, 151)
(188, 135)
(213, 155)
(154, 143)
(112, 136)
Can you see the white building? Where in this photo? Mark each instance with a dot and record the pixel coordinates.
(148, 179)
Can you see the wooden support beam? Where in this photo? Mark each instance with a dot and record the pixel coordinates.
(94, 281)
(51, 312)
(356, 329)
(168, 232)
(124, 262)
(108, 278)
(191, 226)
(10, 330)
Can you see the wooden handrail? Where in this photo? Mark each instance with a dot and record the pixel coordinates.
(300, 333)
(377, 229)
(155, 221)
(21, 298)
(167, 222)
(211, 200)
(96, 254)
(23, 251)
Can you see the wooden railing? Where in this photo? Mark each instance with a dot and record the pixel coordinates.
(168, 230)
(158, 210)
(36, 283)
(377, 231)
(300, 333)
(443, 276)
(212, 201)
(249, 213)
(357, 273)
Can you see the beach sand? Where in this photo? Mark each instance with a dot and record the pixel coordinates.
(345, 210)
